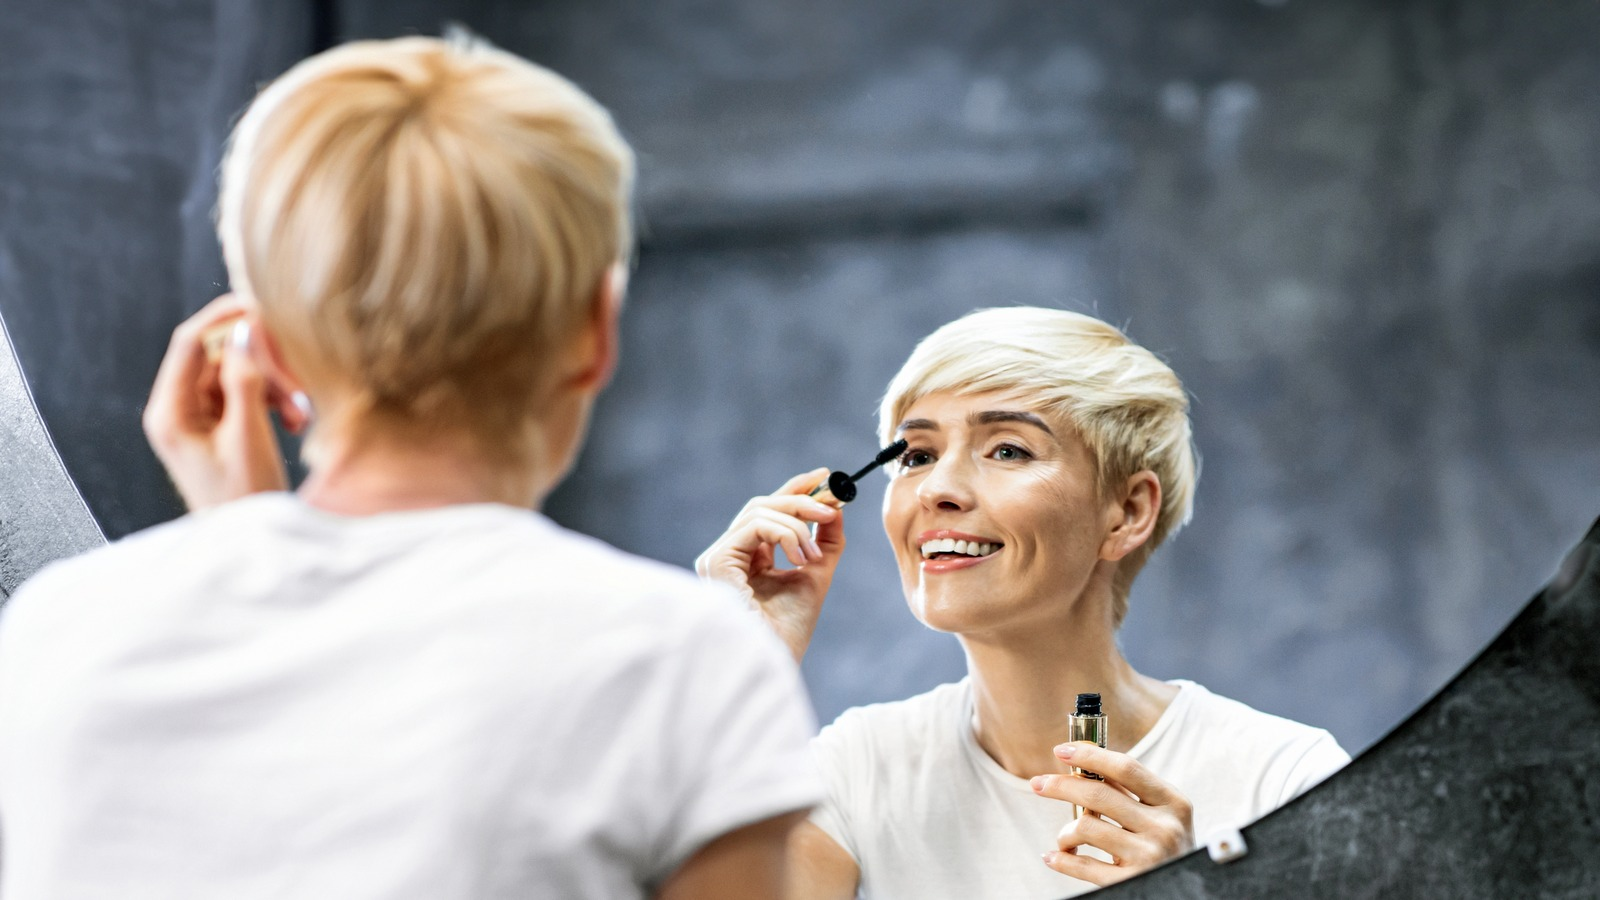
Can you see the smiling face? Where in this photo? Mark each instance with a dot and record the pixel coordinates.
(995, 518)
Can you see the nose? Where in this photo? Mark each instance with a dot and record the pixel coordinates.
(948, 484)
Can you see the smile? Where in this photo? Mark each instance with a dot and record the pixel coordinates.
(948, 548)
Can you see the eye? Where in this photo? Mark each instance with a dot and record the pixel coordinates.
(1010, 453)
(914, 457)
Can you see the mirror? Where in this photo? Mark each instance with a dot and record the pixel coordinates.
(1364, 238)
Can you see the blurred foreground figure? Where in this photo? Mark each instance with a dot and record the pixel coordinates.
(399, 681)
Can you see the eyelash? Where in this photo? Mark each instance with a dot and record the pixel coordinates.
(1022, 452)
(905, 460)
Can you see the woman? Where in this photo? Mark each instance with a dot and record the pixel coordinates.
(1047, 457)
(398, 681)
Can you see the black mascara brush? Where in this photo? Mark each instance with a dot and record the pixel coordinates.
(843, 486)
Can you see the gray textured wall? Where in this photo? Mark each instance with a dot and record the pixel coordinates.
(1364, 233)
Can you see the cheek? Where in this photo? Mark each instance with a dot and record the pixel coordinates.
(1059, 513)
(897, 506)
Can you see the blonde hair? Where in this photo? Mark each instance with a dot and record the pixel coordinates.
(426, 222)
(1128, 407)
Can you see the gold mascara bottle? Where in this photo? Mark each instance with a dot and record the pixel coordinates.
(1087, 724)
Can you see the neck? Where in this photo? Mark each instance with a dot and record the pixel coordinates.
(377, 476)
(1024, 689)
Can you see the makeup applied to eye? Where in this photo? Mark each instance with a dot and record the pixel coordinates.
(976, 420)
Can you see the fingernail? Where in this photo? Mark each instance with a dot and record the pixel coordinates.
(1049, 857)
(1065, 751)
(240, 338)
(1037, 782)
(301, 402)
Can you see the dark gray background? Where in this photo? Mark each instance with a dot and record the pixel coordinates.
(1364, 233)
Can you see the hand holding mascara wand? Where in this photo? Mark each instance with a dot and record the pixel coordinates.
(804, 521)
(841, 487)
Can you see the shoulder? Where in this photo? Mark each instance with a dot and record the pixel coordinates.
(1246, 726)
(1266, 760)
(71, 580)
(897, 732)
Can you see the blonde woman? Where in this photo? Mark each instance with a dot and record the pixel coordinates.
(1048, 457)
(398, 681)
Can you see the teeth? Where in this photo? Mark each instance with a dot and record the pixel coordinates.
(964, 548)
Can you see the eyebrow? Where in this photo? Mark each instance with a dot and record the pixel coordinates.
(986, 417)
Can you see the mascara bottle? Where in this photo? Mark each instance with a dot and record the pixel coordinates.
(1087, 724)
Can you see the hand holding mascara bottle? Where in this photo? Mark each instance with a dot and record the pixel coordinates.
(805, 519)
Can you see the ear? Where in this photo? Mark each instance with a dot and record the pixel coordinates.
(601, 340)
(1132, 516)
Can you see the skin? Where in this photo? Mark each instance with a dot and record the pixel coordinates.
(1034, 618)
(208, 419)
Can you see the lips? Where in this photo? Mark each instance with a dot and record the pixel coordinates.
(946, 551)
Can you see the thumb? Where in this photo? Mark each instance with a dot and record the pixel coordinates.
(245, 442)
(244, 386)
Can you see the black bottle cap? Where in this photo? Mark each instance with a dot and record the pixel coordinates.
(1088, 705)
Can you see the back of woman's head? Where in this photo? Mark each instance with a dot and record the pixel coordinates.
(1126, 405)
(423, 223)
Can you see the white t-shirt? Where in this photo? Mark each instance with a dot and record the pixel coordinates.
(264, 700)
(926, 813)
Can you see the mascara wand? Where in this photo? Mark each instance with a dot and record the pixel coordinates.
(843, 486)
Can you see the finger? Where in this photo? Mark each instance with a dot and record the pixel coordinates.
(1122, 769)
(247, 446)
(1143, 832)
(792, 513)
(800, 506)
(293, 408)
(285, 394)
(1090, 830)
(757, 527)
(1129, 852)
(297, 413)
(1102, 797)
(1086, 868)
(762, 560)
(788, 532)
(185, 358)
(829, 535)
(244, 386)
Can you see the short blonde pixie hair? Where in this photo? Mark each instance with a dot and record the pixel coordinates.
(426, 222)
(1129, 407)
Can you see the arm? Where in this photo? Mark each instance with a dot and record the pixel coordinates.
(820, 869)
(745, 556)
(748, 862)
(1153, 822)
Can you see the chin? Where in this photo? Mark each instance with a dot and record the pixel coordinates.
(952, 614)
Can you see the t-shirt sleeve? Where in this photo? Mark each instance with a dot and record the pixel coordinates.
(743, 724)
(831, 753)
(1319, 757)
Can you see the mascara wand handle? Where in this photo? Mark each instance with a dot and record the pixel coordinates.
(839, 484)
